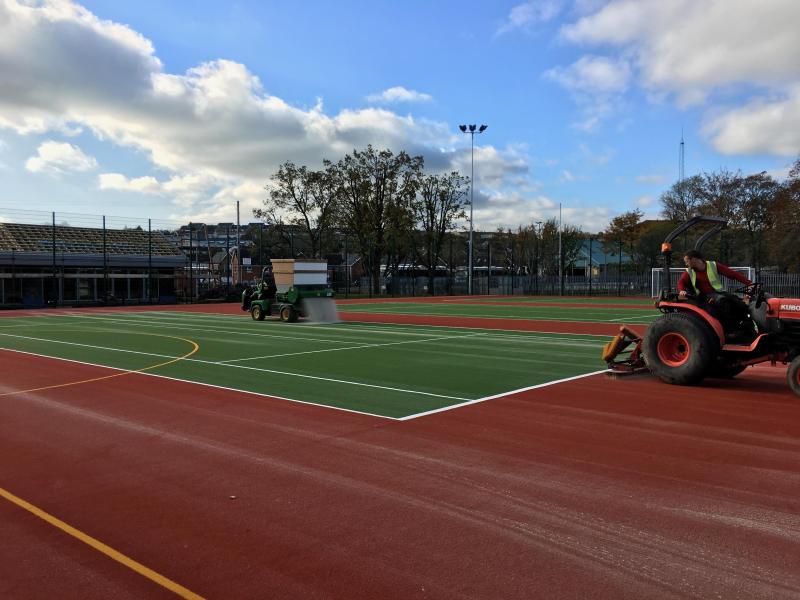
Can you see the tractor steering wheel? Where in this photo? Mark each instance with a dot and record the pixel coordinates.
(754, 291)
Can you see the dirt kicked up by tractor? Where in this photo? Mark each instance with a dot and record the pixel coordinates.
(691, 341)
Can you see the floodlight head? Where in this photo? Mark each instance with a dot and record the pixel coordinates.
(472, 127)
(482, 129)
(463, 128)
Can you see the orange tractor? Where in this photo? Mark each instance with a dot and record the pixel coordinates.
(687, 343)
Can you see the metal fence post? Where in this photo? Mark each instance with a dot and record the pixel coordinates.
(55, 271)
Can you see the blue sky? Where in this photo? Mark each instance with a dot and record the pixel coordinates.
(176, 110)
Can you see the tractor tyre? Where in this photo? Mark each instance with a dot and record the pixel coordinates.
(257, 312)
(679, 349)
(288, 314)
(793, 375)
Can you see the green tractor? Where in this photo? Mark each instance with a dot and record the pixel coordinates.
(291, 289)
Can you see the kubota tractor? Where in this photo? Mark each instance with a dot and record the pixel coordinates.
(687, 343)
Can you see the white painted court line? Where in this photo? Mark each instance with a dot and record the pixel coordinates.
(336, 328)
(170, 325)
(507, 317)
(233, 332)
(521, 332)
(553, 339)
(449, 337)
(231, 366)
(504, 394)
(487, 332)
(210, 385)
(648, 318)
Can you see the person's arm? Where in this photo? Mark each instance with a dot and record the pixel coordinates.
(684, 285)
(731, 274)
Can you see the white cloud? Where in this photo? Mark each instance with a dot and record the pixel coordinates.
(593, 75)
(119, 182)
(512, 209)
(760, 126)
(690, 47)
(596, 84)
(596, 157)
(693, 50)
(566, 176)
(493, 167)
(399, 94)
(523, 16)
(56, 158)
(651, 179)
(644, 201)
(215, 130)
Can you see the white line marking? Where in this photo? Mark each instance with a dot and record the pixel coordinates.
(211, 385)
(533, 317)
(327, 328)
(207, 329)
(648, 317)
(449, 337)
(520, 331)
(273, 371)
(496, 396)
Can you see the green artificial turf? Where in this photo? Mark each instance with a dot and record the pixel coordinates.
(379, 369)
(595, 314)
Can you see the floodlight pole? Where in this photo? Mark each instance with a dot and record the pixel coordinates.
(471, 130)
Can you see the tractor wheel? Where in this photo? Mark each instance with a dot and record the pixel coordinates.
(288, 314)
(793, 375)
(679, 349)
(257, 312)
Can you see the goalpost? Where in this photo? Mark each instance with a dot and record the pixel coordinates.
(676, 272)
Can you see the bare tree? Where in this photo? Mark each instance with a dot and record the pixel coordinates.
(682, 201)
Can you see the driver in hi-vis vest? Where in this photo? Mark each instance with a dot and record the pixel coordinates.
(702, 277)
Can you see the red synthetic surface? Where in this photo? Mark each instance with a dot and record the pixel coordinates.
(598, 488)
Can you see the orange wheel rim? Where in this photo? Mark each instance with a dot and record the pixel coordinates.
(673, 349)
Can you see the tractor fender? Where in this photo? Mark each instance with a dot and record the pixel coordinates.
(712, 322)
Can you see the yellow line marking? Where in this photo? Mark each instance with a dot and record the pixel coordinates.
(87, 539)
(101, 547)
(195, 348)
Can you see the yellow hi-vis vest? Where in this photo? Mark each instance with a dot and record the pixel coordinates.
(713, 277)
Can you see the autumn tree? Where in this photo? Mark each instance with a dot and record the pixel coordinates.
(301, 198)
(782, 239)
(623, 232)
(439, 203)
(376, 191)
(757, 194)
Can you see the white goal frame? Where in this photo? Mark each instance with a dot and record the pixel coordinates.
(676, 272)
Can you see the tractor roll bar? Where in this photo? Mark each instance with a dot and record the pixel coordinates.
(666, 247)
